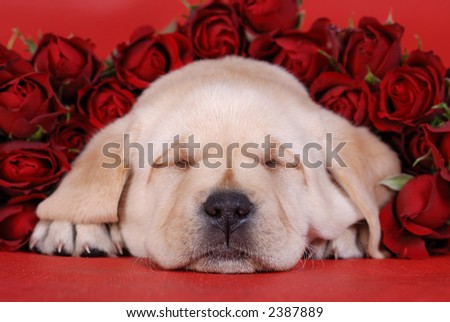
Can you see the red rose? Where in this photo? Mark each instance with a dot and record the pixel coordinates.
(373, 46)
(412, 145)
(407, 93)
(216, 30)
(71, 136)
(298, 51)
(269, 15)
(439, 141)
(416, 220)
(17, 220)
(104, 102)
(30, 167)
(70, 62)
(350, 98)
(27, 101)
(149, 55)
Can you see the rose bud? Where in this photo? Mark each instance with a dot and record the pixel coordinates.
(27, 101)
(268, 15)
(350, 98)
(299, 52)
(17, 220)
(216, 30)
(30, 167)
(71, 136)
(439, 141)
(372, 45)
(104, 102)
(408, 93)
(414, 150)
(149, 55)
(416, 220)
(70, 62)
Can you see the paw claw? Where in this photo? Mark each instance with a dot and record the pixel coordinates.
(61, 238)
(60, 247)
(33, 244)
(35, 249)
(94, 252)
(60, 250)
(119, 247)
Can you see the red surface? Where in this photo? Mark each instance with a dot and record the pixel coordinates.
(30, 277)
(108, 22)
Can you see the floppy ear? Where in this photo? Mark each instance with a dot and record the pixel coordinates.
(367, 161)
(90, 192)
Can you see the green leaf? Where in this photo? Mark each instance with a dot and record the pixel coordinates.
(12, 40)
(419, 41)
(300, 19)
(37, 136)
(397, 182)
(59, 94)
(171, 27)
(404, 57)
(370, 78)
(438, 121)
(442, 105)
(390, 18)
(331, 60)
(445, 107)
(191, 7)
(299, 3)
(423, 157)
(27, 41)
(186, 4)
(351, 23)
(108, 72)
(109, 62)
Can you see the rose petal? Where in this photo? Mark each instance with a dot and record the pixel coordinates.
(397, 239)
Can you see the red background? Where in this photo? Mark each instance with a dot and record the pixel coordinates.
(108, 22)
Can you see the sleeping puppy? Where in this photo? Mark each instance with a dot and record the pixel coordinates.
(222, 166)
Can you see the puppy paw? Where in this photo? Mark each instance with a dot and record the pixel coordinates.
(63, 238)
(345, 246)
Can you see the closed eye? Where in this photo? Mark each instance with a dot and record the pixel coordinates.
(185, 164)
(272, 163)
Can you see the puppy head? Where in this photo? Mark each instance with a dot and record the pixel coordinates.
(227, 206)
(230, 204)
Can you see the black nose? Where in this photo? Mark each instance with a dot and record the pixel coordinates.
(228, 210)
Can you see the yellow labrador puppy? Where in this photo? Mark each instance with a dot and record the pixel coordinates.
(222, 166)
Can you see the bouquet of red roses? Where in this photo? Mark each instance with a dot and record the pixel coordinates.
(51, 104)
